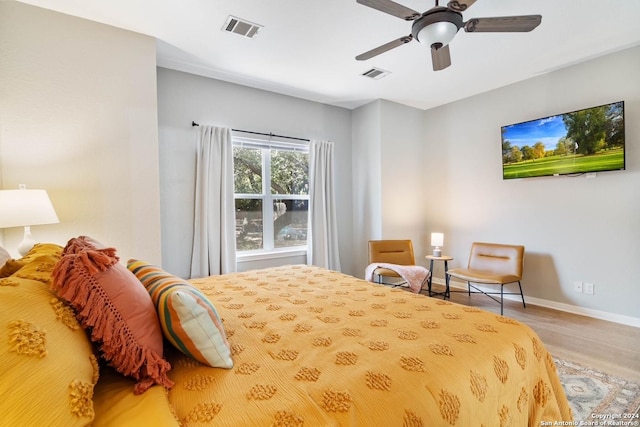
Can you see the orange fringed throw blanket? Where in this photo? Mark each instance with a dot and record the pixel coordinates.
(116, 310)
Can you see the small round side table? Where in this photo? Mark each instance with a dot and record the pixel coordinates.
(446, 294)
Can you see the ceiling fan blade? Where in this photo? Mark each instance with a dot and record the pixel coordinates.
(460, 5)
(441, 58)
(522, 23)
(392, 8)
(385, 47)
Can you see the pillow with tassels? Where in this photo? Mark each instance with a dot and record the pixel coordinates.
(115, 308)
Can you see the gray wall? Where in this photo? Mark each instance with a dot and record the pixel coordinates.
(416, 172)
(367, 181)
(574, 228)
(405, 173)
(388, 187)
(183, 98)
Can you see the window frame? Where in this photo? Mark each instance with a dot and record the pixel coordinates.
(266, 145)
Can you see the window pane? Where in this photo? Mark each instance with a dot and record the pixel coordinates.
(289, 172)
(248, 224)
(290, 219)
(247, 170)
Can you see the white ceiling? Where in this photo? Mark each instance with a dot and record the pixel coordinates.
(307, 48)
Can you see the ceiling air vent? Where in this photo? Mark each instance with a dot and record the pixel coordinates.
(376, 73)
(241, 27)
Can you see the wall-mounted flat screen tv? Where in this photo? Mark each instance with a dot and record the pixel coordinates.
(583, 141)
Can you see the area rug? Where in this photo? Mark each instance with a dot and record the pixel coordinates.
(595, 395)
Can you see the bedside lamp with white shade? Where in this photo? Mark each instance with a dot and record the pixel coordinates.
(437, 241)
(24, 208)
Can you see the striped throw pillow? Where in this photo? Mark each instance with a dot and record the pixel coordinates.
(188, 319)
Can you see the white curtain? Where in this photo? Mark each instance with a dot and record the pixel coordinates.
(214, 243)
(323, 227)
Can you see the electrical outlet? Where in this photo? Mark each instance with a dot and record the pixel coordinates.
(577, 286)
(588, 288)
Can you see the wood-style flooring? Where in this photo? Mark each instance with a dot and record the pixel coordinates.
(606, 346)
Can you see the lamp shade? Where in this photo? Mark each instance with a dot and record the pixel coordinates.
(26, 207)
(437, 239)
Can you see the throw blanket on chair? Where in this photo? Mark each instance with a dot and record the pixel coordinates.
(415, 275)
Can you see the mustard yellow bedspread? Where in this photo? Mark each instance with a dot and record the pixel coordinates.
(312, 347)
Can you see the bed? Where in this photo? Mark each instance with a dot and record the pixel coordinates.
(320, 348)
(313, 347)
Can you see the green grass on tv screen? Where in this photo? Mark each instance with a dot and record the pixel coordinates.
(566, 164)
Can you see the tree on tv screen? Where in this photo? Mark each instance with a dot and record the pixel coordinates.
(596, 128)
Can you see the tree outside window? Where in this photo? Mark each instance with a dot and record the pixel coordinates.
(271, 183)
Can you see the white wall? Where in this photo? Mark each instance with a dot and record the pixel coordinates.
(78, 117)
(184, 97)
(574, 229)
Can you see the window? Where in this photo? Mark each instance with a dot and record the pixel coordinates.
(271, 190)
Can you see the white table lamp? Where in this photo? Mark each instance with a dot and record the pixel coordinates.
(24, 208)
(437, 240)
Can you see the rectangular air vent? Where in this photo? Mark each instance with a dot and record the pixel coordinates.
(241, 27)
(376, 73)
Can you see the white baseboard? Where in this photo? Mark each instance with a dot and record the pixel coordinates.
(569, 308)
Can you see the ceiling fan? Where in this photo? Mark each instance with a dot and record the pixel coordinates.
(436, 27)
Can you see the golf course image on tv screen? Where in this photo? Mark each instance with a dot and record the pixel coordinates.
(582, 141)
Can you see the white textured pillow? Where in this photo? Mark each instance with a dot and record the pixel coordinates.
(188, 318)
(4, 256)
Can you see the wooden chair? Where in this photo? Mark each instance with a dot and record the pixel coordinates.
(398, 252)
(492, 264)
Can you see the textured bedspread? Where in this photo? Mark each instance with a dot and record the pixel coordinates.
(314, 347)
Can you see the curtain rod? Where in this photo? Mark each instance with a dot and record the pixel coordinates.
(193, 123)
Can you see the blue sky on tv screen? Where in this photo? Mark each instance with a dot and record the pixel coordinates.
(548, 131)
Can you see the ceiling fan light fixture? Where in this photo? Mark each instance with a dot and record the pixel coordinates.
(436, 27)
(438, 33)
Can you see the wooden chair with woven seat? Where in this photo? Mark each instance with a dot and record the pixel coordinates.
(398, 252)
(492, 264)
